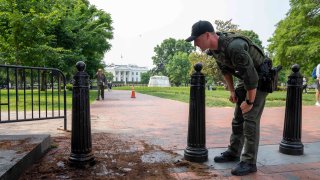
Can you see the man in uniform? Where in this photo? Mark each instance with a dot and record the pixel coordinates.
(234, 58)
(101, 82)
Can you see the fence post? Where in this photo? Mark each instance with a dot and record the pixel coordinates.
(196, 150)
(81, 144)
(291, 142)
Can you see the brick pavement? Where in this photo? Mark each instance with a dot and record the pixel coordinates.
(164, 122)
(148, 116)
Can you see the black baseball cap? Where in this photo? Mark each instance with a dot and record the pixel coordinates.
(199, 28)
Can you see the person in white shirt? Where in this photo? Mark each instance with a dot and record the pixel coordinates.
(318, 86)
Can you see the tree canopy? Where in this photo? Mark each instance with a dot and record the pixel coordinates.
(165, 52)
(226, 26)
(145, 77)
(178, 68)
(210, 67)
(54, 34)
(297, 37)
(254, 37)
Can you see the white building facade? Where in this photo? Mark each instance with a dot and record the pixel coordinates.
(126, 73)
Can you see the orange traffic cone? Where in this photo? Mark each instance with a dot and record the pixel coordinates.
(133, 94)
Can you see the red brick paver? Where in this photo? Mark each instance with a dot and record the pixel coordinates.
(165, 122)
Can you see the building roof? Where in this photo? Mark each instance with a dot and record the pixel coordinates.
(125, 67)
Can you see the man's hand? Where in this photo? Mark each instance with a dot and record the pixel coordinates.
(245, 107)
(233, 98)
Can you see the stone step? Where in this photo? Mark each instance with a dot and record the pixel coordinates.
(18, 152)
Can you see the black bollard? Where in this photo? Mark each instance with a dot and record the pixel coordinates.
(81, 144)
(291, 142)
(196, 150)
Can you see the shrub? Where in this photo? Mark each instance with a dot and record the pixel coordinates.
(220, 88)
(69, 87)
(281, 88)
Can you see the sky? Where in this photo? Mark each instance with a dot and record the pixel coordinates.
(141, 25)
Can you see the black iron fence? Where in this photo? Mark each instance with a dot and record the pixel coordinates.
(32, 93)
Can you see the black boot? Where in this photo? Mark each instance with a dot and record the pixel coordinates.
(226, 157)
(243, 168)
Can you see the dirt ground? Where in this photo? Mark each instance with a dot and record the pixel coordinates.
(117, 157)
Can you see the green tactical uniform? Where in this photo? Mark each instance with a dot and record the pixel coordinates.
(101, 82)
(236, 55)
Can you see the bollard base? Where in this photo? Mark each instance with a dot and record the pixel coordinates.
(81, 160)
(196, 154)
(291, 148)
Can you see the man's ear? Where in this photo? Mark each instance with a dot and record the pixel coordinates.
(207, 35)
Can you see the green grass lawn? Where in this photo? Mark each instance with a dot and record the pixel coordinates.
(216, 98)
(27, 100)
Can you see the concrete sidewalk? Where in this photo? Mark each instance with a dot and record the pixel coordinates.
(164, 122)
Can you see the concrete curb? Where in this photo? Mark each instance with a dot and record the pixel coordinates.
(14, 162)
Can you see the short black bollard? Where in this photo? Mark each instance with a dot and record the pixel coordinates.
(291, 142)
(81, 144)
(196, 150)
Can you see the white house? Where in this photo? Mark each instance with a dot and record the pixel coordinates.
(126, 73)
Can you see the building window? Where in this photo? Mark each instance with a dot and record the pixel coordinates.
(137, 73)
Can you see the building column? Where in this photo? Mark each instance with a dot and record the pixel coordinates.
(114, 75)
(125, 77)
(119, 76)
(130, 77)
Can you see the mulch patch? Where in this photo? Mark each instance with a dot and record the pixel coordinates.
(117, 157)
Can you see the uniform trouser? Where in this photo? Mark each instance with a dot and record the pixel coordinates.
(100, 91)
(246, 127)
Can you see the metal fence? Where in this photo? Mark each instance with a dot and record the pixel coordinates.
(32, 93)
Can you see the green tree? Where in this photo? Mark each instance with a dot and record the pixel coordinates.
(296, 38)
(84, 31)
(109, 76)
(165, 52)
(254, 37)
(226, 26)
(210, 67)
(178, 68)
(25, 32)
(145, 77)
(54, 34)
